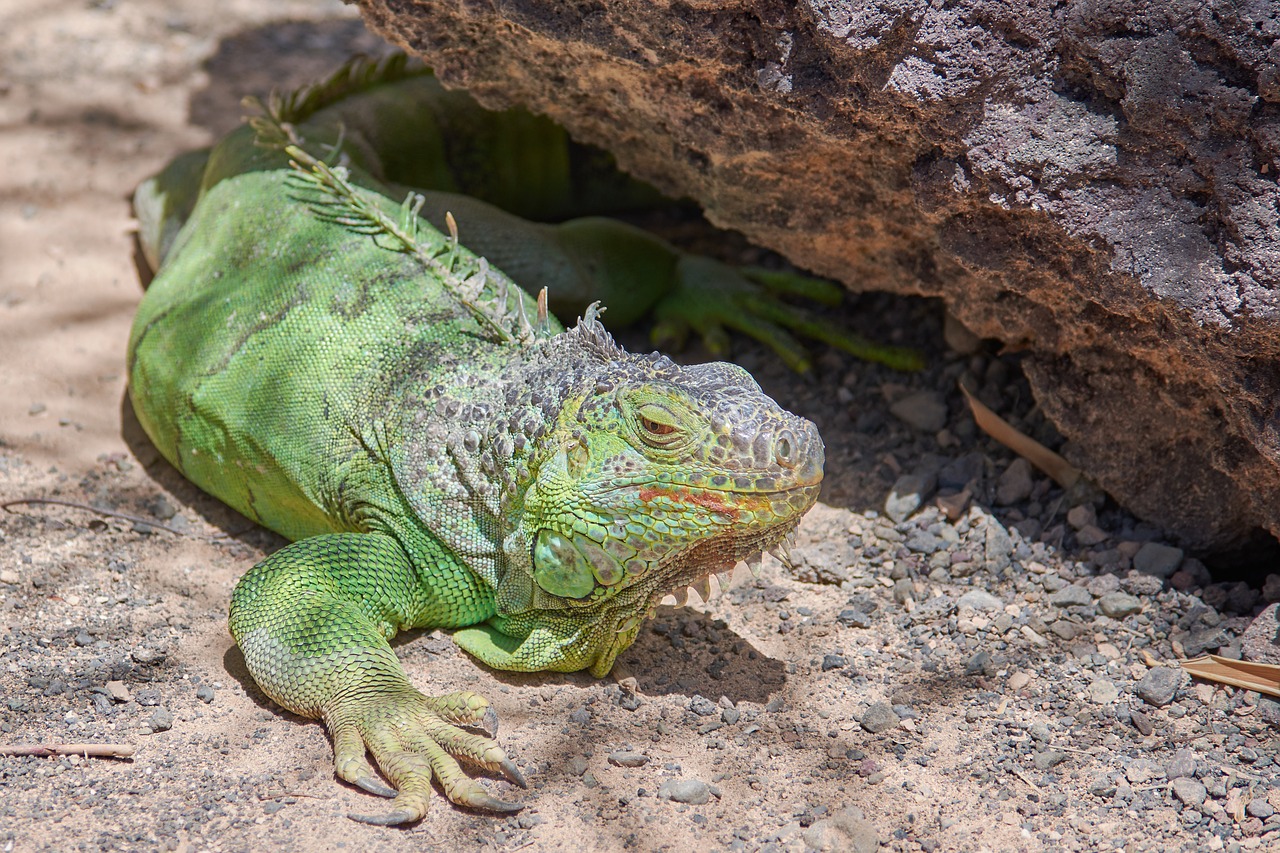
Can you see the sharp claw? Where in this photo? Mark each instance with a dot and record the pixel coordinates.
(513, 773)
(392, 819)
(493, 804)
(373, 786)
(489, 722)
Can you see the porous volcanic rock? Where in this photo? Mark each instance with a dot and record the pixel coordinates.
(1093, 183)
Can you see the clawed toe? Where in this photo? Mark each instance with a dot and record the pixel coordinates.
(512, 772)
(373, 786)
(395, 818)
(493, 804)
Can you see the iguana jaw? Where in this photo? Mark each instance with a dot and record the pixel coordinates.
(591, 635)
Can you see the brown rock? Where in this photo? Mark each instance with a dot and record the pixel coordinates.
(1095, 187)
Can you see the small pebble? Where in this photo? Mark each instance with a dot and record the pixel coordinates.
(624, 758)
(847, 830)
(1183, 763)
(160, 721)
(690, 791)
(1188, 791)
(923, 410)
(879, 717)
(1118, 605)
(1080, 517)
(1047, 759)
(908, 493)
(981, 600)
(980, 664)
(1103, 692)
(1159, 685)
(1156, 559)
(1071, 596)
(1015, 484)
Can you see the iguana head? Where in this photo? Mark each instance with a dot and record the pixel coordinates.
(646, 478)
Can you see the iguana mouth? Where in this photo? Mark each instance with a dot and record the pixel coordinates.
(685, 536)
(720, 556)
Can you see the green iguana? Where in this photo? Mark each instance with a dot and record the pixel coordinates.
(441, 451)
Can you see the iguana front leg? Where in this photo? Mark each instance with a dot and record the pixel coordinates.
(313, 621)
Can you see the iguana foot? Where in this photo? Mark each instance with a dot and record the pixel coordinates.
(415, 738)
(710, 296)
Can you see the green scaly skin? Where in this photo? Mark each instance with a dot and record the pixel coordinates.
(335, 368)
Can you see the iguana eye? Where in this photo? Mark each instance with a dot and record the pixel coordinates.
(656, 420)
(655, 428)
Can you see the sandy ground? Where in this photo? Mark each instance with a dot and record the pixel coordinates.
(760, 700)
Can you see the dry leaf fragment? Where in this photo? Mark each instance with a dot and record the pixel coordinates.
(1063, 472)
(1262, 677)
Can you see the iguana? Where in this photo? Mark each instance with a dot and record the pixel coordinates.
(441, 452)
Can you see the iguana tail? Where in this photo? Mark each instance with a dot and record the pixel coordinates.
(358, 74)
(163, 203)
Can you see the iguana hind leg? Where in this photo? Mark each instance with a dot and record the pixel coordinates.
(313, 621)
